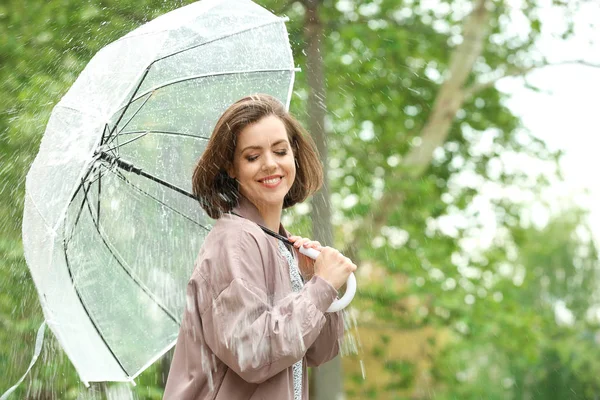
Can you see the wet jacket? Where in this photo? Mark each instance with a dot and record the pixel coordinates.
(243, 327)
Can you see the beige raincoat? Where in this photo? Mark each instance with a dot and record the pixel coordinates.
(243, 327)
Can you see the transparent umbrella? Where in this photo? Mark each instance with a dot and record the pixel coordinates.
(110, 251)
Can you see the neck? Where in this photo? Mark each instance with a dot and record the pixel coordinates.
(271, 215)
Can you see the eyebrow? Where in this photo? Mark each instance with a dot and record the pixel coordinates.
(260, 147)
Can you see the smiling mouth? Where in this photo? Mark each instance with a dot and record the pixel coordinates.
(271, 180)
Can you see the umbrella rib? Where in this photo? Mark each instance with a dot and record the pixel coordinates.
(99, 193)
(87, 312)
(83, 180)
(123, 264)
(277, 21)
(166, 133)
(104, 132)
(144, 133)
(134, 114)
(89, 206)
(127, 142)
(100, 175)
(82, 184)
(78, 212)
(209, 75)
(131, 99)
(122, 177)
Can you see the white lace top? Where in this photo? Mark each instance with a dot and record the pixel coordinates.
(297, 285)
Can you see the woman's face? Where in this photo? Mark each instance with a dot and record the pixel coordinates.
(263, 163)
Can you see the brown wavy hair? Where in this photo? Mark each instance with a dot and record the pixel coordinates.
(216, 191)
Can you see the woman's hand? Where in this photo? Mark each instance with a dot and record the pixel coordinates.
(330, 265)
(334, 267)
(306, 264)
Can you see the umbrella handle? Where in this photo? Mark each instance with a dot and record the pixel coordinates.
(339, 304)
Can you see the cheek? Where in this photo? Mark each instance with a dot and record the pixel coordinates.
(292, 170)
(290, 164)
(246, 170)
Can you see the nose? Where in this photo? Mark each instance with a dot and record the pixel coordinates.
(269, 162)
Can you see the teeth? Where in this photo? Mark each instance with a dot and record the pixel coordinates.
(271, 181)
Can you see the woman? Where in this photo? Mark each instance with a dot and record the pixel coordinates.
(252, 325)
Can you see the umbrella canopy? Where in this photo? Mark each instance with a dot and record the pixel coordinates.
(110, 251)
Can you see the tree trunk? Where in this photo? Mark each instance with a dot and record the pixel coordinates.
(326, 381)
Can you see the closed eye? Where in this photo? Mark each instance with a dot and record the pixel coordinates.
(254, 157)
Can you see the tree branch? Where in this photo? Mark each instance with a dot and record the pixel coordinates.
(448, 101)
(515, 72)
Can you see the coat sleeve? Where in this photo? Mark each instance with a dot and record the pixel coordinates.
(327, 344)
(254, 336)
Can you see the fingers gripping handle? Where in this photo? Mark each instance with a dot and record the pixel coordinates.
(310, 252)
(339, 304)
